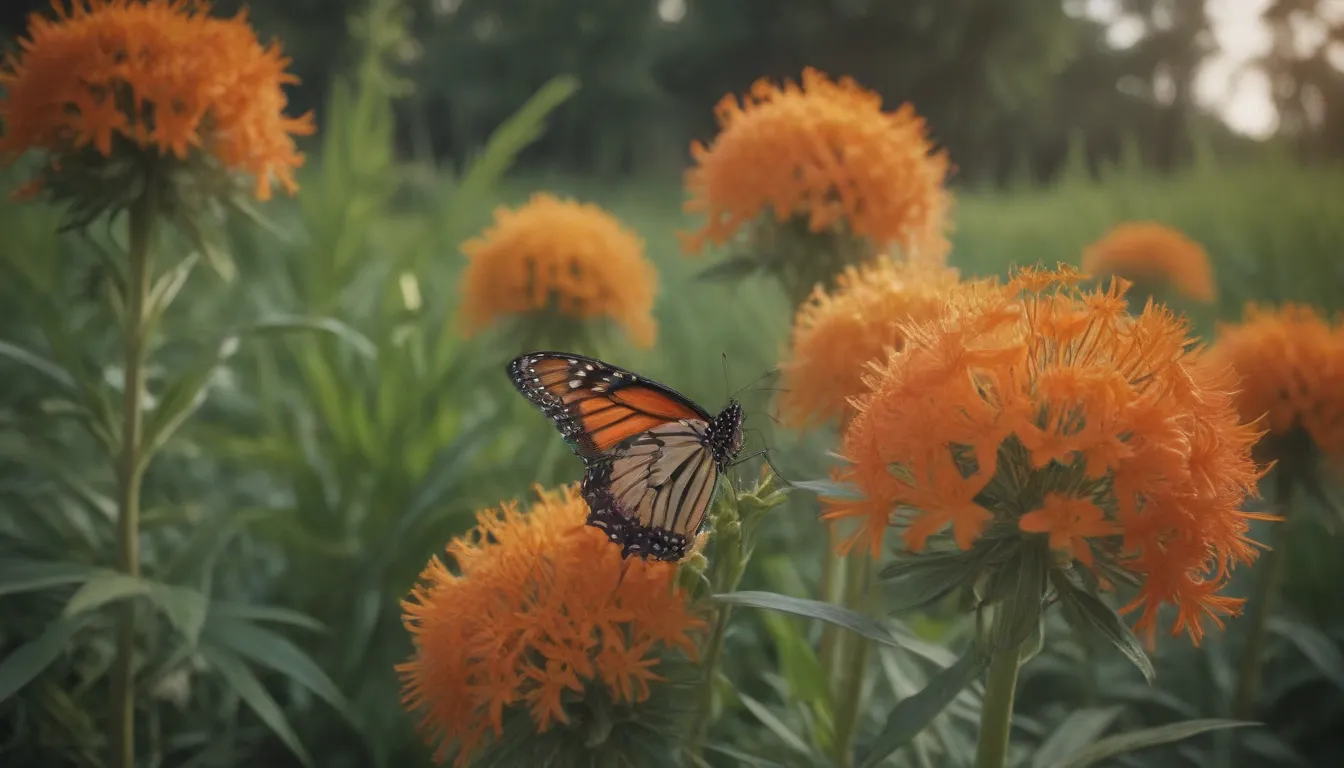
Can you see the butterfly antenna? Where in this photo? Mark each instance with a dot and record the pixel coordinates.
(726, 385)
(769, 372)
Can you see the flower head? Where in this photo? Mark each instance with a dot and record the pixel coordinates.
(1150, 254)
(1291, 364)
(553, 257)
(1041, 412)
(837, 333)
(542, 615)
(154, 75)
(819, 177)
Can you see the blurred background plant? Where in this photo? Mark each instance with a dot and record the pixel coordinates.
(327, 459)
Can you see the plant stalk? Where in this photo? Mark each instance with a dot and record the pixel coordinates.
(130, 471)
(1268, 574)
(852, 654)
(996, 715)
(700, 725)
(831, 574)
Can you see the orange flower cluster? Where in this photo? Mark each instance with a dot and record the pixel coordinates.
(563, 256)
(1043, 409)
(1148, 253)
(837, 333)
(542, 606)
(161, 74)
(1291, 363)
(827, 152)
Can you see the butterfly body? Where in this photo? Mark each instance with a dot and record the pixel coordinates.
(652, 457)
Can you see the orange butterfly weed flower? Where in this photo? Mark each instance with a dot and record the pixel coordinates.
(1150, 254)
(836, 333)
(826, 152)
(1042, 410)
(540, 611)
(559, 256)
(159, 75)
(1291, 363)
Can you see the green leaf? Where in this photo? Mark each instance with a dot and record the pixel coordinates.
(915, 582)
(278, 326)
(1318, 649)
(182, 398)
(17, 576)
(814, 609)
(38, 364)
(28, 660)
(1147, 737)
(1096, 615)
(246, 612)
(730, 268)
(166, 289)
(184, 607)
(776, 726)
(1079, 729)
(504, 145)
(104, 587)
(830, 489)
(740, 757)
(269, 649)
(799, 665)
(245, 683)
(913, 714)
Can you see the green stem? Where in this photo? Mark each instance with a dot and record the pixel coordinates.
(996, 715)
(852, 651)
(700, 726)
(831, 575)
(130, 467)
(1268, 574)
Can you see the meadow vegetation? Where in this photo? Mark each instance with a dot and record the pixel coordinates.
(321, 426)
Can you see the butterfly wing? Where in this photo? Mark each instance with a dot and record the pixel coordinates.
(650, 468)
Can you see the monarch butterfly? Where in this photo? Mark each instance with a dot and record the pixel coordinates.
(652, 458)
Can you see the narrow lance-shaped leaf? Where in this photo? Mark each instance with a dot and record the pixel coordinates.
(1318, 648)
(505, 143)
(1080, 728)
(830, 489)
(28, 660)
(1148, 737)
(184, 607)
(814, 609)
(182, 398)
(275, 326)
(1100, 617)
(39, 365)
(245, 683)
(186, 394)
(166, 288)
(19, 575)
(269, 649)
(776, 726)
(914, 713)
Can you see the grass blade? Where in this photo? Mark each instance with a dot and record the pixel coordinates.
(1147, 737)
